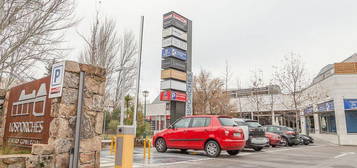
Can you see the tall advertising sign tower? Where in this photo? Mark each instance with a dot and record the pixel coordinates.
(176, 75)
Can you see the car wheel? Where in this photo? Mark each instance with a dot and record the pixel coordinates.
(273, 146)
(233, 152)
(212, 149)
(306, 143)
(160, 145)
(258, 148)
(284, 141)
(183, 150)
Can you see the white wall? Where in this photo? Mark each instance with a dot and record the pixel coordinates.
(282, 102)
(156, 109)
(337, 88)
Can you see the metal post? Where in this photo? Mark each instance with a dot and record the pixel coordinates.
(144, 106)
(164, 121)
(138, 69)
(122, 109)
(159, 122)
(78, 120)
(105, 117)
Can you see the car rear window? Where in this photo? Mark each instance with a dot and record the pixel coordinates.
(289, 129)
(273, 129)
(241, 123)
(226, 121)
(253, 124)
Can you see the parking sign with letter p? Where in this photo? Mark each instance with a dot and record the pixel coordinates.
(57, 77)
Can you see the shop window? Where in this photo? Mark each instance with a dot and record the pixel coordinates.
(351, 121)
(327, 122)
(310, 124)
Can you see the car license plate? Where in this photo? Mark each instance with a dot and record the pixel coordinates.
(259, 140)
(237, 134)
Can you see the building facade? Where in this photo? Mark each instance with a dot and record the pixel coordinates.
(158, 113)
(268, 105)
(330, 111)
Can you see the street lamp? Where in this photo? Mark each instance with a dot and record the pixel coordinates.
(146, 94)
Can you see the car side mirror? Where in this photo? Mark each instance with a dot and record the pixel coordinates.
(171, 127)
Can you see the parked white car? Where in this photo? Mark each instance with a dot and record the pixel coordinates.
(241, 124)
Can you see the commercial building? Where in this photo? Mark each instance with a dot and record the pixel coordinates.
(330, 109)
(158, 114)
(328, 106)
(264, 104)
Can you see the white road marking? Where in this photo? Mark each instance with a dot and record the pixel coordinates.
(111, 164)
(166, 164)
(287, 149)
(344, 154)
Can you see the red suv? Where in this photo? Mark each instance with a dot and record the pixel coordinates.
(202, 132)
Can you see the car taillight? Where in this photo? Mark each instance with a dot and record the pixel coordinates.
(290, 132)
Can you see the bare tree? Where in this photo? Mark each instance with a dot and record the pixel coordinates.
(126, 69)
(256, 84)
(272, 102)
(209, 95)
(227, 77)
(291, 77)
(239, 87)
(201, 92)
(101, 50)
(30, 32)
(105, 48)
(102, 47)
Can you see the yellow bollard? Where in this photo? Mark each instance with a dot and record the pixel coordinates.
(112, 146)
(149, 149)
(115, 144)
(144, 148)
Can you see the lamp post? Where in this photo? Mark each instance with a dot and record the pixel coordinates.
(146, 94)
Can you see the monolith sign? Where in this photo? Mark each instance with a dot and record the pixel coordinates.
(176, 64)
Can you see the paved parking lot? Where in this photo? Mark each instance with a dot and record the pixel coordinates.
(318, 155)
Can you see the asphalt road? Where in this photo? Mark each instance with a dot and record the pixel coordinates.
(318, 155)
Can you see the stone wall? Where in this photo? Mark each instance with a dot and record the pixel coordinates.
(63, 109)
(5, 96)
(62, 128)
(17, 161)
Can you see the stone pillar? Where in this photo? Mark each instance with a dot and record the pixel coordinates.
(63, 109)
(5, 96)
(303, 123)
(317, 123)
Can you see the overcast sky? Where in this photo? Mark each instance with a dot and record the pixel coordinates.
(248, 34)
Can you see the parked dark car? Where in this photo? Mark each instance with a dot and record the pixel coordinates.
(257, 139)
(289, 136)
(305, 140)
